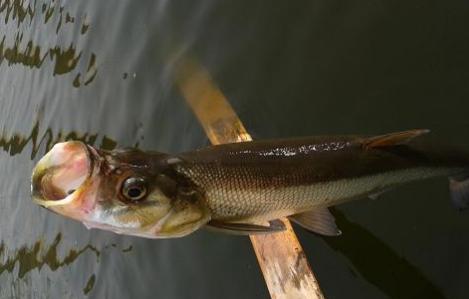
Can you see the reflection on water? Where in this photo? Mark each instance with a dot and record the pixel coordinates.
(89, 285)
(379, 264)
(90, 73)
(16, 143)
(128, 249)
(17, 10)
(23, 50)
(39, 255)
(85, 26)
(30, 57)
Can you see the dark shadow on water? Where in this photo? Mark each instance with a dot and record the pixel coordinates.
(379, 264)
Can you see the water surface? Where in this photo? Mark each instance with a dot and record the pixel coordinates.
(102, 71)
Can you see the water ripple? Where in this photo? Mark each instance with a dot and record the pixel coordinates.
(21, 49)
(39, 255)
(16, 143)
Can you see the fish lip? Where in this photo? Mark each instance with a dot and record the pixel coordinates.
(93, 158)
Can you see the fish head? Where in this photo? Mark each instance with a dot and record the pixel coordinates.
(123, 191)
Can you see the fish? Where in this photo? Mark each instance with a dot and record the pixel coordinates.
(239, 188)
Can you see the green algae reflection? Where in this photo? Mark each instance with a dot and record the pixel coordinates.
(18, 47)
(89, 285)
(16, 143)
(39, 255)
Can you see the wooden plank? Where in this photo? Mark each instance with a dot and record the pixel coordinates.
(283, 263)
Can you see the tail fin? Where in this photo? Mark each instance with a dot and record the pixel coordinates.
(459, 189)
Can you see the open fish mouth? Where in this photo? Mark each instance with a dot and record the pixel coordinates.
(61, 172)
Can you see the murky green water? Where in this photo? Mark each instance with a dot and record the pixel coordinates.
(102, 71)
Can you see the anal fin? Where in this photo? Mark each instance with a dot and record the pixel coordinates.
(459, 189)
(319, 221)
(246, 228)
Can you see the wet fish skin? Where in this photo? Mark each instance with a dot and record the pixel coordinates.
(241, 187)
(264, 180)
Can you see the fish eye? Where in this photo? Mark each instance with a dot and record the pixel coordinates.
(134, 189)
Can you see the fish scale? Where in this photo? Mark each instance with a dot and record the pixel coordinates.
(260, 200)
(271, 179)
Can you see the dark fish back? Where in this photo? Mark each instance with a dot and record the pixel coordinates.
(317, 159)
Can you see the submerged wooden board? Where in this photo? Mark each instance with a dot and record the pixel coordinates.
(283, 263)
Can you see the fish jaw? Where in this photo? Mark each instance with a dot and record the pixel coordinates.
(161, 229)
(62, 179)
(82, 204)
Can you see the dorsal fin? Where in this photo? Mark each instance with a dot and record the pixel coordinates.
(392, 138)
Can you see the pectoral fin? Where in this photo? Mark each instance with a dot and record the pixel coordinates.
(392, 138)
(318, 221)
(246, 228)
(377, 194)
